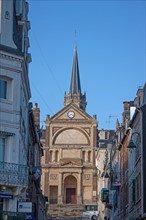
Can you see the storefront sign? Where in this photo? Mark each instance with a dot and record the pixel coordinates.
(6, 196)
(25, 207)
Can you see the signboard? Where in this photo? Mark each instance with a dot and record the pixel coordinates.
(36, 172)
(25, 207)
(29, 216)
(6, 196)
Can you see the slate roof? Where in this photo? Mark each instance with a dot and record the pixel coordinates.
(75, 85)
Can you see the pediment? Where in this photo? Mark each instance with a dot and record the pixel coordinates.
(70, 162)
(78, 114)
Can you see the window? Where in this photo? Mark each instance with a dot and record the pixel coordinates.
(83, 156)
(2, 149)
(89, 156)
(6, 88)
(3, 89)
(56, 156)
(51, 156)
(106, 135)
(138, 149)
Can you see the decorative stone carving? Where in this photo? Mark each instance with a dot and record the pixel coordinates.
(86, 176)
(53, 176)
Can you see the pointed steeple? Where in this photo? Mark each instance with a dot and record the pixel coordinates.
(75, 95)
(75, 85)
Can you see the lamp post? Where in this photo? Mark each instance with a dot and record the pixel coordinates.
(134, 141)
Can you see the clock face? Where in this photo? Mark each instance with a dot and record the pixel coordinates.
(71, 114)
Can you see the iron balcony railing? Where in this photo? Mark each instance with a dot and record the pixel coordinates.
(13, 174)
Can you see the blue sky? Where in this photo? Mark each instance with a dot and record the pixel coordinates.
(111, 45)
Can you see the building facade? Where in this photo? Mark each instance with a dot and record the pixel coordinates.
(69, 170)
(127, 169)
(102, 159)
(35, 152)
(14, 98)
(143, 153)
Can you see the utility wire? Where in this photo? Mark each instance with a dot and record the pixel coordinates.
(50, 70)
(46, 63)
(42, 98)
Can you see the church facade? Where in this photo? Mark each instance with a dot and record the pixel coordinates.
(69, 176)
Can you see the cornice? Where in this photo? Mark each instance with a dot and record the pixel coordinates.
(8, 50)
(11, 56)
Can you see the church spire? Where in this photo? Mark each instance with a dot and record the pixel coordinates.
(75, 95)
(75, 85)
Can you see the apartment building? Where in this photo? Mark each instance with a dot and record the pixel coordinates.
(14, 98)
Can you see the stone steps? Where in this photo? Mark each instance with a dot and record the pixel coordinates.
(65, 211)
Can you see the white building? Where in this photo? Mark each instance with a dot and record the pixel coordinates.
(102, 161)
(14, 97)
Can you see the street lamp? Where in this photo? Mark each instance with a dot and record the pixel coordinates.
(133, 143)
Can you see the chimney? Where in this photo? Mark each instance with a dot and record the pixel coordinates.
(126, 113)
(36, 113)
(126, 106)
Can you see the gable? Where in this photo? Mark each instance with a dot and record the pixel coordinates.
(79, 114)
(70, 162)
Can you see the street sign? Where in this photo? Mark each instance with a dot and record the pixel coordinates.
(29, 216)
(6, 196)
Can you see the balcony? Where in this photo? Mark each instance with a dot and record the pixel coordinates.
(13, 174)
(115, 180)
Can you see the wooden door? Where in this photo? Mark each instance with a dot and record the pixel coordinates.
(71, 195)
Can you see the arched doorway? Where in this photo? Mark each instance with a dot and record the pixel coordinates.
(70, 189)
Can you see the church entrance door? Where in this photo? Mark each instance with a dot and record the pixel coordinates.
(71, 195)
(70, 189)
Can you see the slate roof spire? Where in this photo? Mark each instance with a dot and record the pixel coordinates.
(75, 85)
(75, 95)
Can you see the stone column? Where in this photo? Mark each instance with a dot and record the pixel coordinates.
(60, 190)
(79, 189)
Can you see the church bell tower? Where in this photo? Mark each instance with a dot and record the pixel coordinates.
(75, 95)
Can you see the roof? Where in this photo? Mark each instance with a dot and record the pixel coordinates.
(75, 85)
